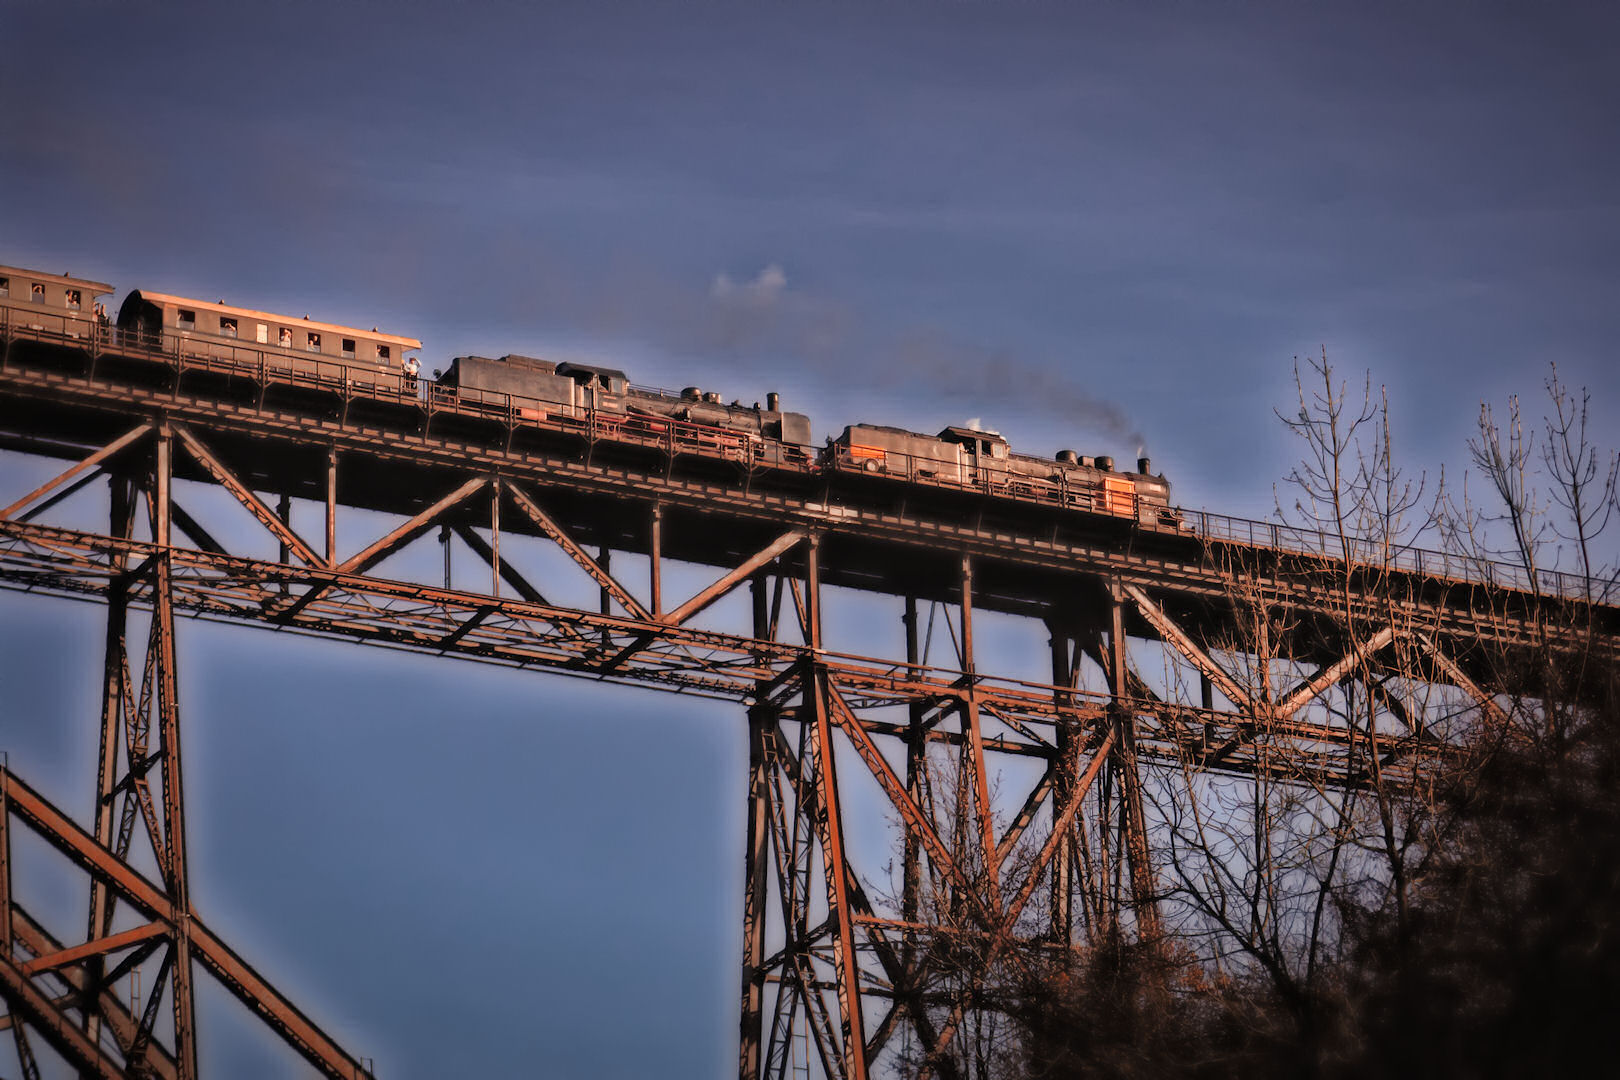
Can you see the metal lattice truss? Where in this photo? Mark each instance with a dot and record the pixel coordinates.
(846, 967)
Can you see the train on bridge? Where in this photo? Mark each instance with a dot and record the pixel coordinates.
(189, 335)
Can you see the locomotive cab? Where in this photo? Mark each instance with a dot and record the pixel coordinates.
(596, 387)
(984, 453)
(600, 379)
(986, 446)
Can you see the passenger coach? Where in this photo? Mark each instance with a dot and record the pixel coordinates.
(312, 351)
(51, 303)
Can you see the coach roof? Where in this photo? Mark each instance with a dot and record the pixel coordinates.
(98, 288)
(162, 299)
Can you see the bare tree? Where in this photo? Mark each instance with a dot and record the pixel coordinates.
(1371, 817)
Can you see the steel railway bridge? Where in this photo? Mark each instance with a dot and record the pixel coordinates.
(828, 964)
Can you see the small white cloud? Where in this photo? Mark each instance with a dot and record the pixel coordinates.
(762, 291)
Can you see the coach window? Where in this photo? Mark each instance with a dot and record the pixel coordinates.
(348, 348)
(227, 326)
(262, 334)
(314, 342)
(383, 353)
(73, 299)
(185, 320)
(286, 338)
(37, 295)
(5, 286)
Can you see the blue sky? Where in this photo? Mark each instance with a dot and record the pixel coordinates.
(1097, 226)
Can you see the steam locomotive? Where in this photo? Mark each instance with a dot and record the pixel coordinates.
(569, 394)
(598, 402)
(982, 460)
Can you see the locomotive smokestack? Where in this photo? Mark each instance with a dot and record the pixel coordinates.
(1144, 466)
(773, 401)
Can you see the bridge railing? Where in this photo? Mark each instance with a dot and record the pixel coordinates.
(1429, 562)
(183, 353)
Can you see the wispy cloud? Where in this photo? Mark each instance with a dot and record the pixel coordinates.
(763, 290)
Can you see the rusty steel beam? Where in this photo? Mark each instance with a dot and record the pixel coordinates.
(173, 808)
(407, 531)
(1201, 576)
(154, 901)
(61, 496)
(852, 1056)
(138, 432)
(1143, 888)
(1313, 687)
(228, 480)
(560, 536)
(7, 921)
(374, 610)
(331, 504)
(1185, 645)
(485, 551)
(43, 1016)
(1063, 775)
(1025, 817)
(655, 558)
(973, 744)
(939, 853)
(732, 579)
(99, 947)
(1459, 678)
(854, 953)
(115, 702)
(901, 972)
(180, 519)
(107, 1005)
(1060, 825)
(762, 721)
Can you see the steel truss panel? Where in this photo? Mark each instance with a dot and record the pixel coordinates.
(835, 975)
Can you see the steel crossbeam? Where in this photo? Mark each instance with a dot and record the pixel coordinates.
(517, 632)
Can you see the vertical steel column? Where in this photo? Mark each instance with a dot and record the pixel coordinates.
(655, 552)
(113, 705)
(1206, 695)
(331, 504)
(174, 812)
(19, 1034)
(495, 539)
(1065, 774)
(916, 747)
(444, 542)
(834, 867)
(5, 862)
(761, 726)
(284, 512)
(973, 744)
(1136, 841)
(604, 559)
